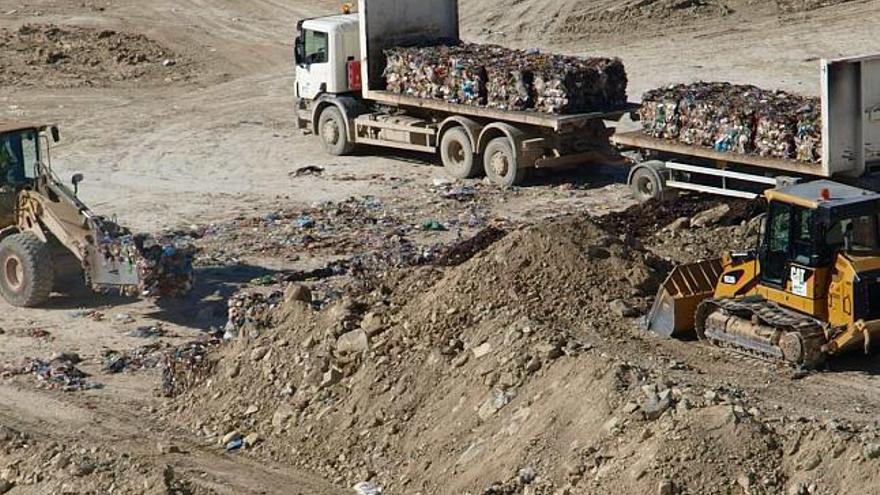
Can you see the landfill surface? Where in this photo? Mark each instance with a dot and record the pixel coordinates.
(362, 325)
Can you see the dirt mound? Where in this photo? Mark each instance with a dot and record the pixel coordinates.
(571, 19)
(642, 14)
(390, 385)
(650, 218)
(794, 6)
(70, 56)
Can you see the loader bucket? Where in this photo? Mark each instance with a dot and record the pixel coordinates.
(686, 287)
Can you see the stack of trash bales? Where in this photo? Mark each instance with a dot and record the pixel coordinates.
(507, 79)
(733, 118)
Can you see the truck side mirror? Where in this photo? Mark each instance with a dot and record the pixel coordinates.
(56, 135)
(75, 180)
(300, 51)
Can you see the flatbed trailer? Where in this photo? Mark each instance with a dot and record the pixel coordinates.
(342, 98)
(850, 145)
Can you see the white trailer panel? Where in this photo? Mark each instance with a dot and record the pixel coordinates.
(389, 23)
(851, 115)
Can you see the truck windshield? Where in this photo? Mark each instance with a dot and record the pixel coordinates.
(317, 45)
(19, 154)
(855, 235)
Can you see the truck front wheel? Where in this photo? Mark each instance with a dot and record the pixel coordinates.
(457, 154)
(501, 165)
(331, 128)
(26, 273)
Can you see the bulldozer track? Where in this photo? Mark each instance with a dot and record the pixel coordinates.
(793, 338)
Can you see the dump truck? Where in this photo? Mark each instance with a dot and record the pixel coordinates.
(850, 100)
(342, 97)
(809, 291)
(44, 224)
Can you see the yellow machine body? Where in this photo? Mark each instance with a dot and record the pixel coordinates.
(828, 291)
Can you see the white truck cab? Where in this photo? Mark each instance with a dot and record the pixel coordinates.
(328, 56)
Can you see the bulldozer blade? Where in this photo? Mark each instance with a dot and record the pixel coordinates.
(674, 311)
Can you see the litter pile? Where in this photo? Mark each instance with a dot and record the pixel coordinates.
(185, 366)
(163, 264)
(498, 77)
(58, 373)
(144, 357)
(736, 118)
(251, 310)
(72, 56)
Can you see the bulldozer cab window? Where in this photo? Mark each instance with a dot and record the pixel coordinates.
(855, 235)
(775, 255)
(804, 247)
(19, 154)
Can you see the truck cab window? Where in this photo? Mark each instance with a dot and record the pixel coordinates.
(317, 47)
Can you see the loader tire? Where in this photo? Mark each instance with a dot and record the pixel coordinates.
(331, 129)
(26, 273)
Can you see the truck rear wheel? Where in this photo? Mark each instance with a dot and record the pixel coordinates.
(647, 184)
(26, 273)
(500, 163)
(457, 154)
(331, 129)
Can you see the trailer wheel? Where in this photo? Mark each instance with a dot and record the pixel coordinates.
(647, 184)
(457, 154)
(26, 273)
(331, 128)
(500, 163)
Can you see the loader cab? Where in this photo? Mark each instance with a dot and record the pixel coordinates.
(20, 155)
(809, 225)
(327, 56)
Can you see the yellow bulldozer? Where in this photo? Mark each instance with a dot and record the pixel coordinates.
(43, 224)
(809, 291)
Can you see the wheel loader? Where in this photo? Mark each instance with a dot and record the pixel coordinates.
(42, 221)
(809, 291)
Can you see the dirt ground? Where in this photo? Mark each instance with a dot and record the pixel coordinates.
(179, 115)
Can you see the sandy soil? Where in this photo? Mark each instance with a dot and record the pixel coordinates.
(220, 143)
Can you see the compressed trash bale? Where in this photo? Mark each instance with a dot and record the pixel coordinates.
(511, 80)
(510, 89)
(659, 112)
(466, 80)
(418, 73)
(808, 141)
(565, 85)
(735, 118)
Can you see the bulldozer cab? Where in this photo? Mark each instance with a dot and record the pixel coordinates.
(808, 225)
